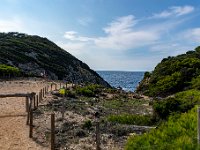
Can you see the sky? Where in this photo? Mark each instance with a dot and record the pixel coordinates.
(126, 35)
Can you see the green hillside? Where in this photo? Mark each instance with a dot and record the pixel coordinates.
(34, 55)
(175, 88)
(172, 74)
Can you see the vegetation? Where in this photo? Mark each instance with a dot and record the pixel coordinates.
(178, 133)
(131, 119)
(8, 71)
(172, 75)
(181, 102)
(89, 90)
(87, 124)
(177, 81)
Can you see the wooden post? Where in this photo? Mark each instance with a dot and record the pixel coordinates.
(97, 136)
(52, 131)
(198, 125)
(28, 114)
(37, 100)
(45, 89)
(34, 104)
(31, 124)
(43, 92)
(66, 85)
(51, 86)
(40, 95)
(27, 104)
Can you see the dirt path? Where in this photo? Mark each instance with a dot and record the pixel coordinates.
(14, 133)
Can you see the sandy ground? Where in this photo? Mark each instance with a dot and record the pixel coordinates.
(14, 133)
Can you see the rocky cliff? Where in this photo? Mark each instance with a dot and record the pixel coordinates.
(35, 56)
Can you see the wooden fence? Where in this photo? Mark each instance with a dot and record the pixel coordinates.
(32, 101)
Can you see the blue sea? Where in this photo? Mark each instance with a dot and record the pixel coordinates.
(127, 80)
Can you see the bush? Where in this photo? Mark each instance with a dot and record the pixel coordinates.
(87, 124)
(177, 133)
(181, 102)
(147, 74)
(195, 83)
(8, 71)
(89, 91)
(131, 119)
(71, 94)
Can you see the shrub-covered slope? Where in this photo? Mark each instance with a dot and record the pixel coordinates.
(172, 74)
(178, 80)
(34, 55)
(178, 133)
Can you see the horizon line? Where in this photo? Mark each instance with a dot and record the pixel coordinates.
(124, 70)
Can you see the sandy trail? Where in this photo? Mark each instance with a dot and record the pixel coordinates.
(14, 133)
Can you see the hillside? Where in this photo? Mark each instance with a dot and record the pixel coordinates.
(175, 87)
(172, 74)
(34, 55)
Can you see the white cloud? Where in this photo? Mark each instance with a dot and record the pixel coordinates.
(122, 36)
(119, 35)
(179, 44)
(70, 35)
(174, 11)
(121, 25)
(124, 41)
(11, 25)
(73, 36)
(125, 37)
(73, 48)
(24, 25)
(171, 48)
(192, 34)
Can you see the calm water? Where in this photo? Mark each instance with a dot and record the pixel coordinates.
(127, 80)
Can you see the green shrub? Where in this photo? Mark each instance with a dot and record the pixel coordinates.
(181, 102)
(195, 83)
(90, 90)
(147, 74)
(131, 119)
(178, 132)
(87, 124)
(71, 94)
(8, 71)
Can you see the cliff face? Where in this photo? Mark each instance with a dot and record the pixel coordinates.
(35, 55)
